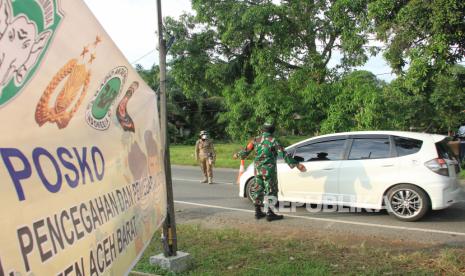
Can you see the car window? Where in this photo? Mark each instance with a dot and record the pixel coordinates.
(370, 148)
(322, 151)
(406, 146)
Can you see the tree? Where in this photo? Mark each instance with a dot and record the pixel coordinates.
(448, 99)
(436, 110)
(150, 76)
(249, 52)
(237, 63)
(403, 108)
(423, 39)
(186, 117)
(428, 35)
(358, 104)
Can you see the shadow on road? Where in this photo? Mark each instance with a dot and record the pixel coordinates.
(454, 213)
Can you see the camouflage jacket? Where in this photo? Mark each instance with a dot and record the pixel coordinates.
(267, 150)
(204, 149)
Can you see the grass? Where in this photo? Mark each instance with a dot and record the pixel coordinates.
(184, 154)
(235, 252)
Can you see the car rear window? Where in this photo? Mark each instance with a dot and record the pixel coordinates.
(406, 146)
(370, 148)
(444, 151)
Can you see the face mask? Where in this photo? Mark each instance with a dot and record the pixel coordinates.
(204, 137)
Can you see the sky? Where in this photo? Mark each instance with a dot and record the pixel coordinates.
(132, 26)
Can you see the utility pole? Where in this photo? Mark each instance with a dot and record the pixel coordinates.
(169, 239)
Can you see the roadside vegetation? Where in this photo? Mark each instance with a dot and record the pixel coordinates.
(184, 154)
(235, 64)
(235, 252)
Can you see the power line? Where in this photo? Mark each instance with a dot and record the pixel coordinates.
(153, 50)
(149, 52)
(318, 45)
(145, 55)
(168, 46)
(192, 111)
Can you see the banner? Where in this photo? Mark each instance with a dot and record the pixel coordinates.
(82, 187)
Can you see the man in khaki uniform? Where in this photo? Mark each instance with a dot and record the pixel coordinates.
(205, 154)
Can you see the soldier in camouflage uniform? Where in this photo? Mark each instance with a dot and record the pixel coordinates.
(205, 154)
(267, 149)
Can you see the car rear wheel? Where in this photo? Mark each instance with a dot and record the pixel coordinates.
(407, 202)
(249, 188)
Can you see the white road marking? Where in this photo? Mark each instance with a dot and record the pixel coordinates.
(191, 180)
(332, 220)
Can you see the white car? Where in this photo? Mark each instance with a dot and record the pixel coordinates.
(405, 172)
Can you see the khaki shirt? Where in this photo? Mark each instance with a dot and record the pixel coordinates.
(204, 149)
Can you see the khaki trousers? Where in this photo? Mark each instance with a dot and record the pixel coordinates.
(207, 168)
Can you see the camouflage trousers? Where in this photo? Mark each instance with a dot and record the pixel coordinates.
(266, 185)
(206, 167)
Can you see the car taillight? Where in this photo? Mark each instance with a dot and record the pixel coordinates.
(438, 165)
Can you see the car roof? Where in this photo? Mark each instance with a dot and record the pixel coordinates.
(413, 135)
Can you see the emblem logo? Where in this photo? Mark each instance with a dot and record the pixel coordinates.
(121, 112)
(76, 77)
(99, 109)
(26, 28)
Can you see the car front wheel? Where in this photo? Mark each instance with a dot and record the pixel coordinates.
(249, 188)
(407, 202)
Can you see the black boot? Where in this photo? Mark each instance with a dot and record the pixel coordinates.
(258, 212)
(270, 215)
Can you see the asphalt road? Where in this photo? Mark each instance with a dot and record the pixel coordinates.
(195, 201)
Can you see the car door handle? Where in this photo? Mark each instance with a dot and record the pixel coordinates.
(388, 165)
(328, 169)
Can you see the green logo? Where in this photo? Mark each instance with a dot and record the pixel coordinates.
(99, 109)
(26, 29)
(105, 98)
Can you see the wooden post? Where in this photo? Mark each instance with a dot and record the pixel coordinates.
(169, 240)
